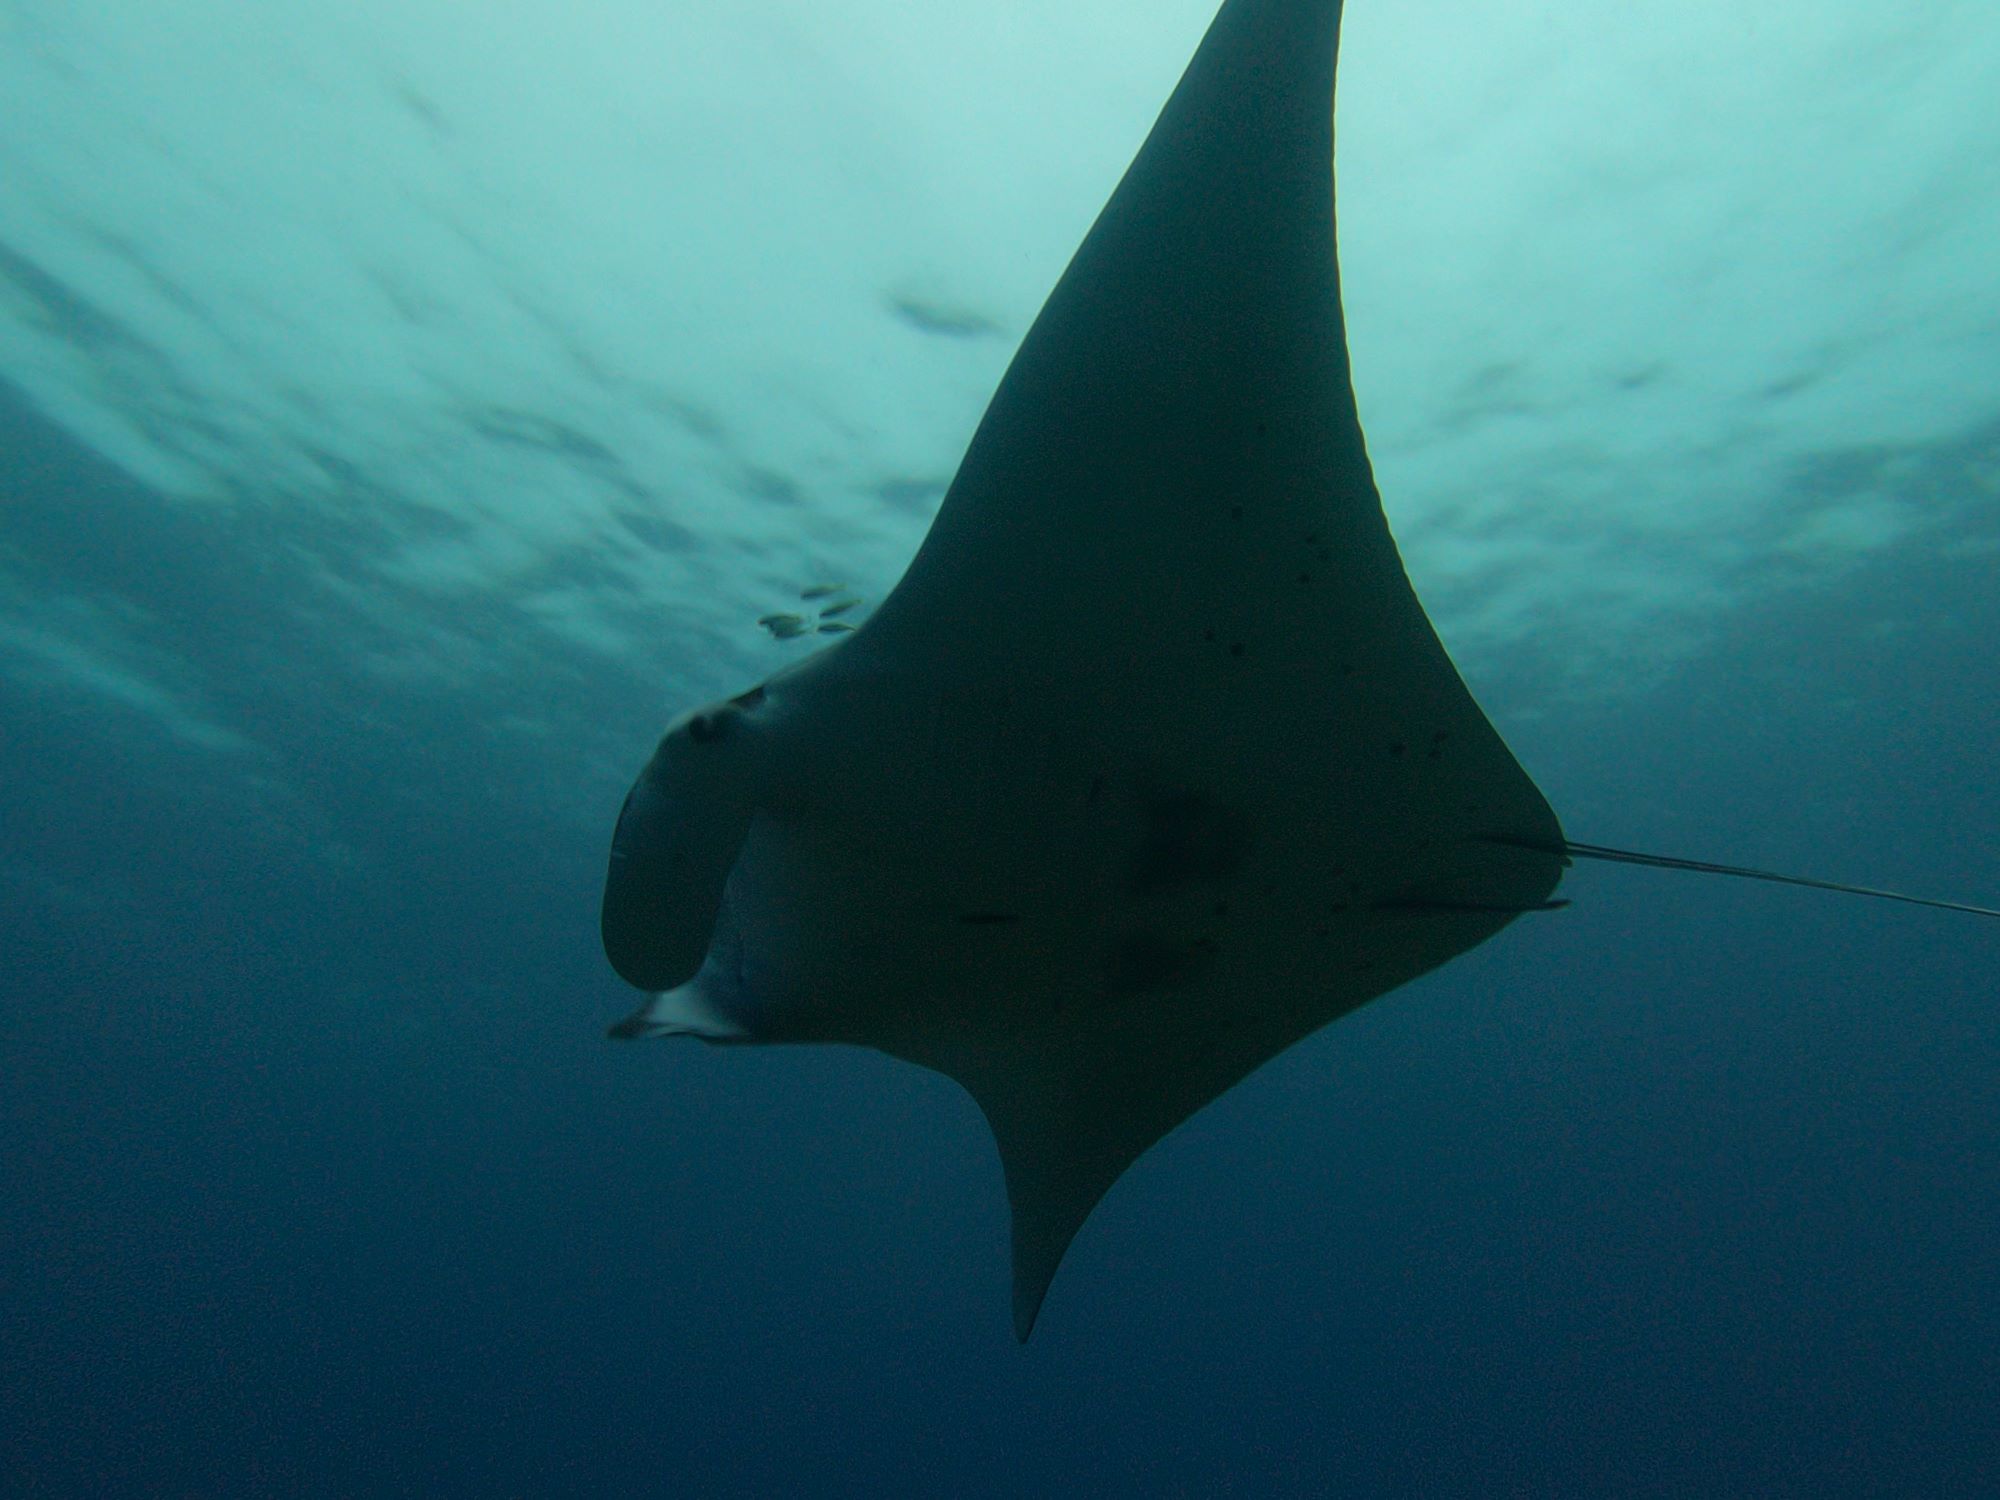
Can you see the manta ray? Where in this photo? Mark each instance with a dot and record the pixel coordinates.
(1095, 859)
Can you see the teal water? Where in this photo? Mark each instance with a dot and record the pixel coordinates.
(404, 413)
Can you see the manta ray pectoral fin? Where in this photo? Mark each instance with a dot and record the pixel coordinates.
(1071, 1108)
(1045, 1221)
(1061, 1149)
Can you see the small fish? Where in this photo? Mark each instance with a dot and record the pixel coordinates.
(839, 607)
(835, 627)
(784, 627)
(823, 591)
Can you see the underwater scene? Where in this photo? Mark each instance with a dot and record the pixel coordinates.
(773, 749)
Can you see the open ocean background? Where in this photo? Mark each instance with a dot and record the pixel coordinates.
(406, 406)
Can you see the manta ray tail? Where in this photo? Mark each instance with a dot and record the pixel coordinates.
(1609, 855)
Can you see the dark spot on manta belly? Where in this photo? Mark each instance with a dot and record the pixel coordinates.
(988, 918)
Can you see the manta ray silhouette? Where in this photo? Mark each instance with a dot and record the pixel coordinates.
(1093, 863)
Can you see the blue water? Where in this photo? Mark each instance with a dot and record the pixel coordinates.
(331, 631)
